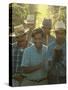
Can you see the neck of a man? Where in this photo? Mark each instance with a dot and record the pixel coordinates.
(39, 49)
(46, 37)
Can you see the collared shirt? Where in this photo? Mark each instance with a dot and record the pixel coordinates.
(50, 40)
(60, 67)
(32, 57)
(17, 54)
(16, 57)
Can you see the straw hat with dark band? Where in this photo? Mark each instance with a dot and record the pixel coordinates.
(18, 31)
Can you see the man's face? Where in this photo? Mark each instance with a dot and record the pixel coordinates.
(31, 26)
(60, 35)
(22, 40)
(38, 40)
(46, 30)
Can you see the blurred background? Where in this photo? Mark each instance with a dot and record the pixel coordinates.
(18, 12)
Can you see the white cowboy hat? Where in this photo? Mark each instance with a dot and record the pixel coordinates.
(29, 20)
(20, 30)
(60, 25)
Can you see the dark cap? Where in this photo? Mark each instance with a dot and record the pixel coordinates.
(47, 23)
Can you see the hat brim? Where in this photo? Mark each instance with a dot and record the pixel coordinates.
(54, 30)
(26, 30)
(59, 29)
(28, 22)
(22, 34)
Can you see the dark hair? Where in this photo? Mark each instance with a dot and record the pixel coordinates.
(37, 31)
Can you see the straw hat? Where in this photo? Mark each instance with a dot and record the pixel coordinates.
(60, 25)
(19, 30)
(29, 20)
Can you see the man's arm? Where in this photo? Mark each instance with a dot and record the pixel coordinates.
(26, 66)
(31, 69)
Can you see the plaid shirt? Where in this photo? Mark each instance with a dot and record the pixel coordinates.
(17, 54)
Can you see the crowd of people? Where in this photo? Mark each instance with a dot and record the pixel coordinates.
(38, 58)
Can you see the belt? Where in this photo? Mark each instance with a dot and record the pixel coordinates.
(39, 80)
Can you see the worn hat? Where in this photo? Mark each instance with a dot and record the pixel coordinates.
(29, 20)
(47, 23)
(19, 30)
(60, 25)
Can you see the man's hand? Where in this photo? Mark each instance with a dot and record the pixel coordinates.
(18, 77)
(32, 68)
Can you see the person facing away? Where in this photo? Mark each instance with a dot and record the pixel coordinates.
(34, 63)
(46, 27)
(57, 55)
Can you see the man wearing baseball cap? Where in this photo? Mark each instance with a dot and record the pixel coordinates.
(57, 55)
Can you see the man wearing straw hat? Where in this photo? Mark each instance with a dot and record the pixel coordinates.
(57, 55)
(30, 23)
(18, 48)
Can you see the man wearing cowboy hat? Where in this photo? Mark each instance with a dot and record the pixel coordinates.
(47, 25)
(18, 48)
(30, 23)
(57, 55)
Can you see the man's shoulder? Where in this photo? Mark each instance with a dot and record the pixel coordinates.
(29, 48)
(14, 44)
(44, 46)
(52, 44)
(30, 44)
